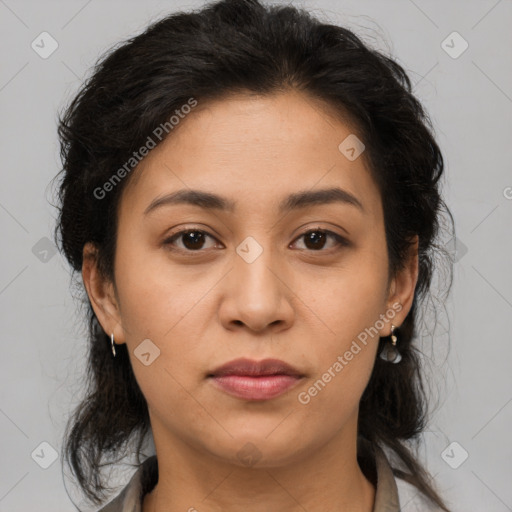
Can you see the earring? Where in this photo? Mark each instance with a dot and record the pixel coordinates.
(112, 344)
(390, 352)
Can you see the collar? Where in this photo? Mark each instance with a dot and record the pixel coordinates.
(146, 476)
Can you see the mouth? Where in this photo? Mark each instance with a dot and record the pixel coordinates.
(255, 380)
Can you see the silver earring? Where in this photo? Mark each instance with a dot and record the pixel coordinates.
(112, 343)
(390, 352)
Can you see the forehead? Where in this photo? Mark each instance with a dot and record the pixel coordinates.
(251, 147)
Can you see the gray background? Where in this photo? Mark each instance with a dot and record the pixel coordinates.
(469, 99)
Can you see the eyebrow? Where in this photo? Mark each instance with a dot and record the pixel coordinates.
(297, 200)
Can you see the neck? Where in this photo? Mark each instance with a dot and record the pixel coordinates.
(327, 478)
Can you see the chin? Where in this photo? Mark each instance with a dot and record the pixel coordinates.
(260, 450)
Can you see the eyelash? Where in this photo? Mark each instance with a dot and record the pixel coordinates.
(340, 241)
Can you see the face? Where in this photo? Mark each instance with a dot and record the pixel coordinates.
(199, 285)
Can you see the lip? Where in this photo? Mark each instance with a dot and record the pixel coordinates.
(250, 367)
(255, 380)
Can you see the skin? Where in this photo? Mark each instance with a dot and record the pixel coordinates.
(295, 302)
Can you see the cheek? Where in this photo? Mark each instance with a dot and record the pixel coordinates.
(157, 297)
(342, 302)
(344, 366)
(347, 306)
(341, 379)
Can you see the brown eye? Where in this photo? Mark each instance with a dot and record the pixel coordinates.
(191, 239)
(316, 239)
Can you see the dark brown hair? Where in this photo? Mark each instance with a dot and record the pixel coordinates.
(226, 47)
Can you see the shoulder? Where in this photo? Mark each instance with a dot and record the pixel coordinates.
(394, 492)
(127, 500)
(120, 502)
(130, 498)
(412, 499)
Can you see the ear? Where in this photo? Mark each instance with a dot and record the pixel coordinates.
(102, 295)
(402, 287)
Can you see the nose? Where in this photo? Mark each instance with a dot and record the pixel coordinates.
(257, 295)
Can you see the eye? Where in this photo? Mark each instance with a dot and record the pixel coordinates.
(315, 239)
(192, 239)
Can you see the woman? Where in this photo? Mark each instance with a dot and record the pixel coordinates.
(251, 197)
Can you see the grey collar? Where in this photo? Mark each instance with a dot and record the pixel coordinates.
(146, 476)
